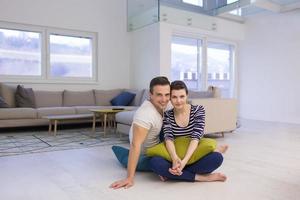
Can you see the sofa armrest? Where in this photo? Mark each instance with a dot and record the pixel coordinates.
(220, 114)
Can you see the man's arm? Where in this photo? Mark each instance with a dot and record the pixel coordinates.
(139, 136)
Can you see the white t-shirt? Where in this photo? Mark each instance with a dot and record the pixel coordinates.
(149, 118)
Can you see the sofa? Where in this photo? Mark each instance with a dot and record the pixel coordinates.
(221, 114)
(63, 102)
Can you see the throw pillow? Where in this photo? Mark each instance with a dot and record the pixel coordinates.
(24, 97)
(123, 99)
(122, 155)
(3, 104)
(205, 146)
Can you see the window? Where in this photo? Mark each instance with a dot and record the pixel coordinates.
(201, 63)
(42, 53)
(185, 65)
(219, 65)
(70, 56)
(20, 53)
(194, 2)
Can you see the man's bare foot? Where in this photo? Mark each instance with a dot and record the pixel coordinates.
(162, 178)
(210, 177)
(222, 148)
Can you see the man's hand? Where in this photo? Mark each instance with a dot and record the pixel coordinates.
(139, 136)
(126, 183)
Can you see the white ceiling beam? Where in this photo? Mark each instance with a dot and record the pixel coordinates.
(290, 7)
(267, 5)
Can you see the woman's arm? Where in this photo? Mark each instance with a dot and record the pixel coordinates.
(169, 136)
(197, 134)
(171, 149)
(176, 162)
(169, 142)
(191, 148)
(199, 123)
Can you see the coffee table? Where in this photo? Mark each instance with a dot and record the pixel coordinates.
(54, 119)
(105, 113)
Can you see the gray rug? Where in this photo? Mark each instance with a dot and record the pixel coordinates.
(41, 141)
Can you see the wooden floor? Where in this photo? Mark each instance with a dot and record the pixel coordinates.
(263, 162)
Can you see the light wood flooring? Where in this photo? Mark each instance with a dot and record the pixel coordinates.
(263, 162)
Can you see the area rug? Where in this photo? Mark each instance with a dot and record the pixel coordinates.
(41, 141)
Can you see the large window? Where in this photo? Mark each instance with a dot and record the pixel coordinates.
(219, 66)
(70, 56)
(46, 54)
(185, 65)
(20, 53)
(201, 63)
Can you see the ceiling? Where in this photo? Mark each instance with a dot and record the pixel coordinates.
(242, 9)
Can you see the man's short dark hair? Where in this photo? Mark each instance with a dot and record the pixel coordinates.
(179, 85)
(159, 80)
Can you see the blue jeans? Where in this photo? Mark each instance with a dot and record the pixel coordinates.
(205, 165)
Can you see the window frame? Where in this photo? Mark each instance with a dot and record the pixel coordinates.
(71, 34)
(22, 27)
(203, 80)
(199, 69)
(45, 32)
(233, 67)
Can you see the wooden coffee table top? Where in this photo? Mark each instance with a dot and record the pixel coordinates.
(73, 116)
(107, 110)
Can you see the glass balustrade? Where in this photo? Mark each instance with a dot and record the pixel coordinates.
(186, 12)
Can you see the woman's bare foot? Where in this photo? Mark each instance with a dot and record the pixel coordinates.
(222, 148)
(210, 177)
(162, 178)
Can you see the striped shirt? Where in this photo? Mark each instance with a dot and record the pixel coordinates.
(194, 129)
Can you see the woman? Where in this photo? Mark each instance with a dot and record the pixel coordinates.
(186, 120)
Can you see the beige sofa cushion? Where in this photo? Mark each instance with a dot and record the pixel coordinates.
(8, 94)
(125, 117)
(78, 98)
(5, 123)
(55, 111)
(103, 97)
(220, 114)
(48, 98)
(18, 113)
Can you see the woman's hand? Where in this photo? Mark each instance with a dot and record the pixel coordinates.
(176, 165)
(182, 165)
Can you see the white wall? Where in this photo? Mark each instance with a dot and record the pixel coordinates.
(145, 55)
(270, 68)
(107, 18)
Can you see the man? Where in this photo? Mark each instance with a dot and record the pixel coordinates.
(146, 127)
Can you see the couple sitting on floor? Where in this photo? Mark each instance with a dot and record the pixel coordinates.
(183, 127)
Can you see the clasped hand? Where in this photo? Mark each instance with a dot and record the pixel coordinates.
(177, 167)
